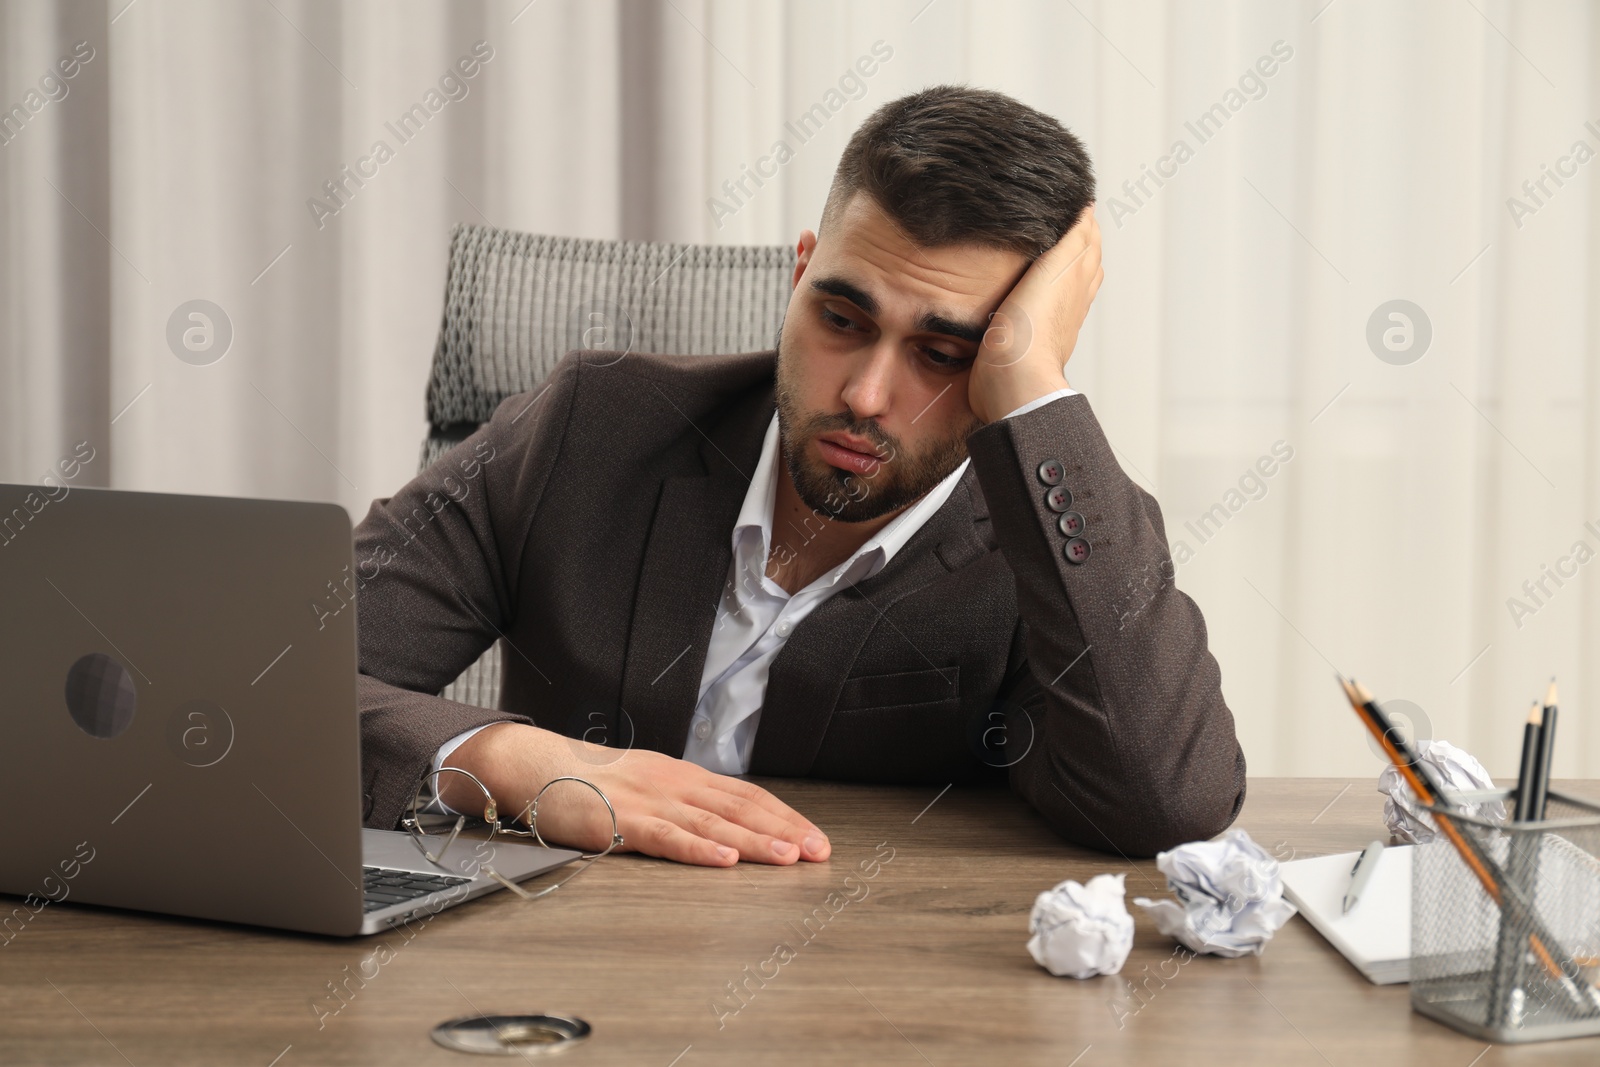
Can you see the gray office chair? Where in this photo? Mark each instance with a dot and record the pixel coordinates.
(515, 303)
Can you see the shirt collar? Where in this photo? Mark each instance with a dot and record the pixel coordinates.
(753, 527)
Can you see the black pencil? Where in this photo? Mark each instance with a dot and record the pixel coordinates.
(1530, 764)
(1393, 736)
(1547, 749)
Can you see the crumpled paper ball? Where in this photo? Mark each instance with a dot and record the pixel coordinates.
(1231, 896)
(1456, 769)
(1081, 930)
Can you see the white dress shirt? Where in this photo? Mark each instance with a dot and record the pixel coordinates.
(756, 616)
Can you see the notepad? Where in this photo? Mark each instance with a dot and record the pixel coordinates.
(1376, 935)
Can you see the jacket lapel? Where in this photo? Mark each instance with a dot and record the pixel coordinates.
(685, 566)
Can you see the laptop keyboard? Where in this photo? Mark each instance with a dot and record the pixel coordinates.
(383, 887)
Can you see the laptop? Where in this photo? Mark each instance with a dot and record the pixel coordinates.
(178, 725)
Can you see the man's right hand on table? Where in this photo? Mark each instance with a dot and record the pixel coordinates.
(665, 807)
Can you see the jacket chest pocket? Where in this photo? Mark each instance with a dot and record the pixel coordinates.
(900, 689)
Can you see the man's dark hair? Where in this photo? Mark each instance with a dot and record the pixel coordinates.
(956, 165)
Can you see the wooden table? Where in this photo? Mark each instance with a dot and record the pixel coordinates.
(923, 961)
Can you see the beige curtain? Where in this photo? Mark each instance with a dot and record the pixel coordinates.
(1275, 176)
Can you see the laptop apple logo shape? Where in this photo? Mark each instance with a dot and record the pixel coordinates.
(100, 696)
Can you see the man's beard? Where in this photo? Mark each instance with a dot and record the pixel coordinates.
(899, 479)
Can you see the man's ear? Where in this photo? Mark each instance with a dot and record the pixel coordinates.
(802, 255)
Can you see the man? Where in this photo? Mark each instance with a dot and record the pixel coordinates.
(896, 549)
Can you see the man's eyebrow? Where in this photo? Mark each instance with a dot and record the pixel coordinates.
(933, 322)
(927, 321)
(847, 291)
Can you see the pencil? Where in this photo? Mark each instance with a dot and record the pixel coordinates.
(1530, 764)
(1395, 745)
(1421, 779)
(1547, 747)
(1522, 867)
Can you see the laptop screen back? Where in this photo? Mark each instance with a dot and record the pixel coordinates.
(178, 724)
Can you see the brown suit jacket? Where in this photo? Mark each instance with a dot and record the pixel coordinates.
(588, 523)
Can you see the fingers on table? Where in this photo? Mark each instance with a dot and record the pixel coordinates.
(755, 794)
(661, 837)
(752, 845)
(708, 840)
(759, 833)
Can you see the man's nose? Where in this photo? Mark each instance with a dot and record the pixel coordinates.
(870, 387)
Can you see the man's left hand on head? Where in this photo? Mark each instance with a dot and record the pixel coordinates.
(1034, 331)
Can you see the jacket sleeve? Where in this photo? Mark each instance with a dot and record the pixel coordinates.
(1131, 747)
(436, 569)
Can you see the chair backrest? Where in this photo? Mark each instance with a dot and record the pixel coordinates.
(515, 303)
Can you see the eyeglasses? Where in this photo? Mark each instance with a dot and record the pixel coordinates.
(435, 852)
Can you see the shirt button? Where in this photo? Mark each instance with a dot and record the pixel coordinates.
(784, 628)
(702, 729)
(1051, 472)
(1058, 498)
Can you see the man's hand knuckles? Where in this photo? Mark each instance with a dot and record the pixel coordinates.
(740, 810)
(748, 790)
(656, 833)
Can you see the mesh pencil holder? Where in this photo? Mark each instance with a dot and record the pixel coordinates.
(1505, 920)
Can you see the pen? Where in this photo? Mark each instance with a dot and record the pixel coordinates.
(1361, 874)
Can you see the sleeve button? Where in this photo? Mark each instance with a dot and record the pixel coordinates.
(1076, 550)
(1071, 523)
(1051, 472)
(1059, 498)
